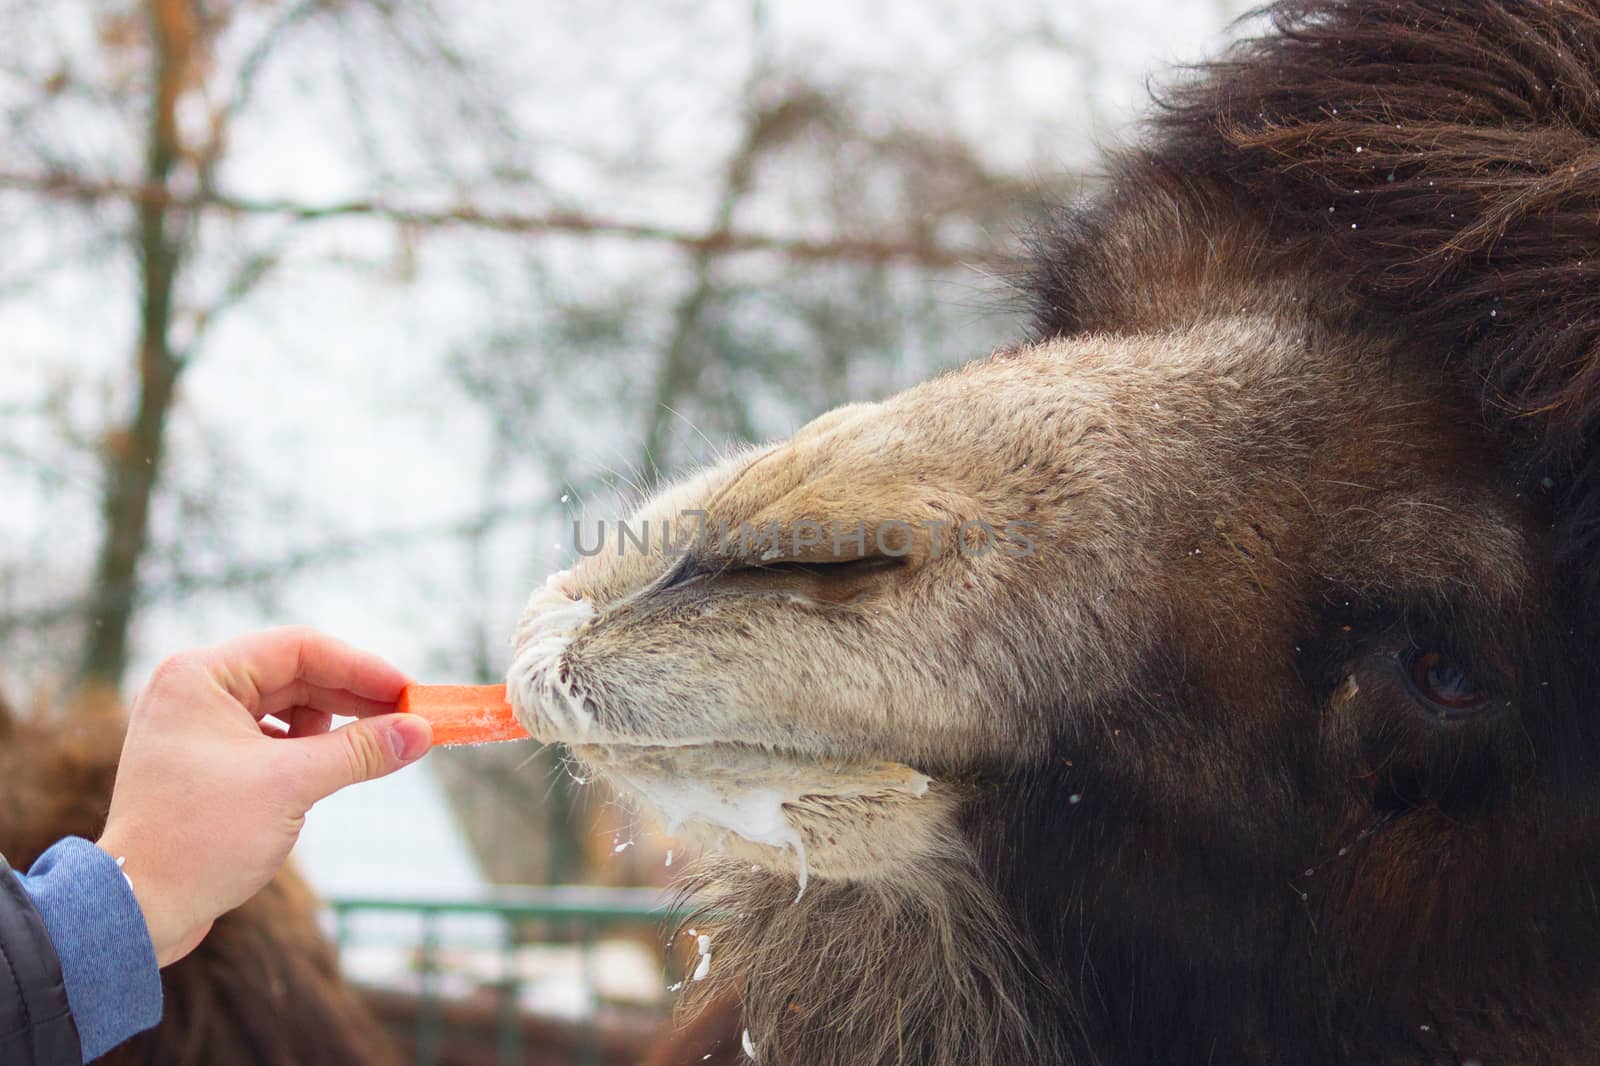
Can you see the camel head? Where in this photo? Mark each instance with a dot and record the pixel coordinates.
(1211, 673)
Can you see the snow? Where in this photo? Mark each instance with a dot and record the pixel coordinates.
(703, 968)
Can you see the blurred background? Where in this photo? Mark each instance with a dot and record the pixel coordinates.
(343, 311)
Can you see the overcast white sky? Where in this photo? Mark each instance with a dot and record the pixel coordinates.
(323, 409)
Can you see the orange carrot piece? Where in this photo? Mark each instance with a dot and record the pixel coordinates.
(463, 714)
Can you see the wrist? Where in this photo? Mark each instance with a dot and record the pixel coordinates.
(168, 940)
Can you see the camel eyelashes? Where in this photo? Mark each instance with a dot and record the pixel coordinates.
(835, 578)
(823, 579)
(827, 568)
(1442, 685)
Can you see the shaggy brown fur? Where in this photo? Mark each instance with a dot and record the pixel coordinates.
(1425, 175)
(263, 988)
(710, 1037)
(1433, 166)
(940, 1001)
(1309, 437)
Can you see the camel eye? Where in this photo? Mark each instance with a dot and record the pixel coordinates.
(1442, 683)
(826, 580)
(830, 568)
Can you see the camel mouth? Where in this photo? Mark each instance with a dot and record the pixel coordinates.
(786, 809)
(538, 685)
(782, 810)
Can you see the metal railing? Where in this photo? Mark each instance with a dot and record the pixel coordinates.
(469, 948)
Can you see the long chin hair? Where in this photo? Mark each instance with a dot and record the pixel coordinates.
(927, 969)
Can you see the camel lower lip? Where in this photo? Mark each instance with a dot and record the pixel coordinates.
(756, 794)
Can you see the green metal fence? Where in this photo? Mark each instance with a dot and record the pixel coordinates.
(504, 925)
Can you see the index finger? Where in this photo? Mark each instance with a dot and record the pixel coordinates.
(257, 664)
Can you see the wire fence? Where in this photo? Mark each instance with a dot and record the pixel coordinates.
(561, 975)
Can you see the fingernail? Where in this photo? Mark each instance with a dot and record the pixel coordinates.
(410, 736)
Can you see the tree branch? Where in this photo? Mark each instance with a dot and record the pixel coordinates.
(911, 249)
(678, 366)
(256, 573)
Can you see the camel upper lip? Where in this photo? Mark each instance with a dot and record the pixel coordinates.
(650, 745)
(646, 744)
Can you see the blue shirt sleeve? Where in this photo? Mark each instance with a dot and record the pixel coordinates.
(107, 961)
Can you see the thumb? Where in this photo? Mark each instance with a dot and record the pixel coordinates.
(361, 751)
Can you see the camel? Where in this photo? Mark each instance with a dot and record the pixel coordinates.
(1209, 675)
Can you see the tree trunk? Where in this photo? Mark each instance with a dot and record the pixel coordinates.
(134, 451)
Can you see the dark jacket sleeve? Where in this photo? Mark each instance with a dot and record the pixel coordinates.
(36, 1027)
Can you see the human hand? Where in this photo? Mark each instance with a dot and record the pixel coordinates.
(209, 797)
